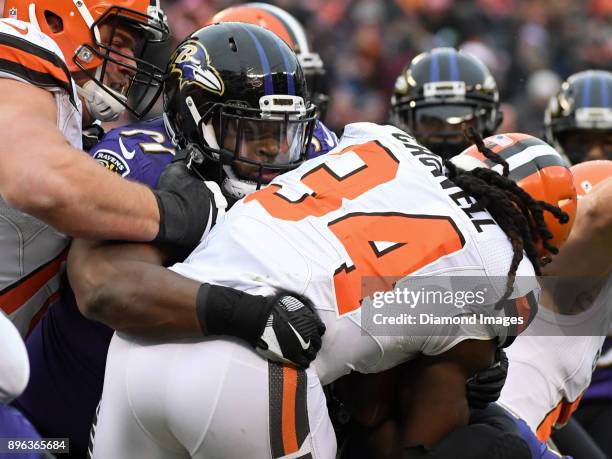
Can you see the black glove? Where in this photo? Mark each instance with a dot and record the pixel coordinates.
(293, 331)
(283, 327)
(188, 206)
(485, 387)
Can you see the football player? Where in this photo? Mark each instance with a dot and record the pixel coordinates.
(577, 122)
(319, 229)
(578, 119)
(377, 422)
(54, 56)
(67, 375)
(438, 92)
(557, 354)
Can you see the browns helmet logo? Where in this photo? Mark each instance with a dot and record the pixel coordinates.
(192, 62)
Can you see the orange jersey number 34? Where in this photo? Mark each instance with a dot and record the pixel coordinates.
(359, 232)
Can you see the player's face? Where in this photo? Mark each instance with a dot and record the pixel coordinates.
(588, 145)
(124, 40)
(260, 142)
(444, 122)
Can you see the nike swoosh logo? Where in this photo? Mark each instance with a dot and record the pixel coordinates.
(22, 31)
(124, 151)
(305, 344)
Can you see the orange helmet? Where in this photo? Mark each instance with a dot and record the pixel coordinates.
(75, 27)
(292, 32)
(537, 168)
(589, 174)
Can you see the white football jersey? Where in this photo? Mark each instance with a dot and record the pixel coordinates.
(33, 253)
(377, 205)
(552, 362)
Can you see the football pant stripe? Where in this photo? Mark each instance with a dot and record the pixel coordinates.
(302, 425)
(289, 426)
(290, 443)
(275, 391)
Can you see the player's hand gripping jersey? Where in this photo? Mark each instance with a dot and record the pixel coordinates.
(378, 205)
(32, 253)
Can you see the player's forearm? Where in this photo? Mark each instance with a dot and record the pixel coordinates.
(150, 302)
(125, 287)
(83, 199)
(588, 250)
(42, 175)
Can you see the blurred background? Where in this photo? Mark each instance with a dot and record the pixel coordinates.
(530, 46)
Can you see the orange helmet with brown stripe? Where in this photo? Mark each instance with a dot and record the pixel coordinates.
(537, 168)
(103, 42)
(292, 32)
(589, 174)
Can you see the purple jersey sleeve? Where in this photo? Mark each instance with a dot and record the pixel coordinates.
(323, 140)
(139, 152)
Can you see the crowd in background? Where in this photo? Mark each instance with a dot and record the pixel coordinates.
(531, 46)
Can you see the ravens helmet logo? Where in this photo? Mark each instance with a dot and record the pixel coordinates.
(192, 62)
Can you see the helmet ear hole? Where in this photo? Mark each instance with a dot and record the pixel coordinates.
(55, 23)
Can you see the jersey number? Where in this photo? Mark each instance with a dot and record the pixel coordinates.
(155, 147)
(381, 246)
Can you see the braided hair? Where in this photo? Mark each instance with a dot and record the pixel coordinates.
(519, 215)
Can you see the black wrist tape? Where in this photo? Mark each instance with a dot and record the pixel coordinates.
(227, 311)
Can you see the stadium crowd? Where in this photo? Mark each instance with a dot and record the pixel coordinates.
(530, 46)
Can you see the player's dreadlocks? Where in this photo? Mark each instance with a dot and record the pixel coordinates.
(519, 215)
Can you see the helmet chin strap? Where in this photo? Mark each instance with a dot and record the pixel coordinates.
(100, 103)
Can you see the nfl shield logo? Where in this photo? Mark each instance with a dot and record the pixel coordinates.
(13, 13)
